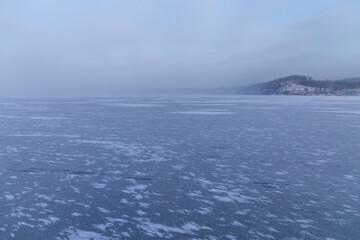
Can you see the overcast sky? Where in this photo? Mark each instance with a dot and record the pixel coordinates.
(55, 47)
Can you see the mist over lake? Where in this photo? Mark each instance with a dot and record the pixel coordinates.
(179, 119)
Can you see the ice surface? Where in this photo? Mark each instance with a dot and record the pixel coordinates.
(209, 167)
(134, 105)
(204, 112)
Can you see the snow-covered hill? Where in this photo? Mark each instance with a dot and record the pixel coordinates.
(304, 85)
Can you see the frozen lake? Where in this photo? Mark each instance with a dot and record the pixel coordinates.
(209, 167)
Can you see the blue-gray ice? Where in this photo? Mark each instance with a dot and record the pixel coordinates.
(180, 167)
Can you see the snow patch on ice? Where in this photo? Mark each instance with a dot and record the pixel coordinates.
(161, 231)
(85, 235)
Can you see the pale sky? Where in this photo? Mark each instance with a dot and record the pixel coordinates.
(60, 47)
